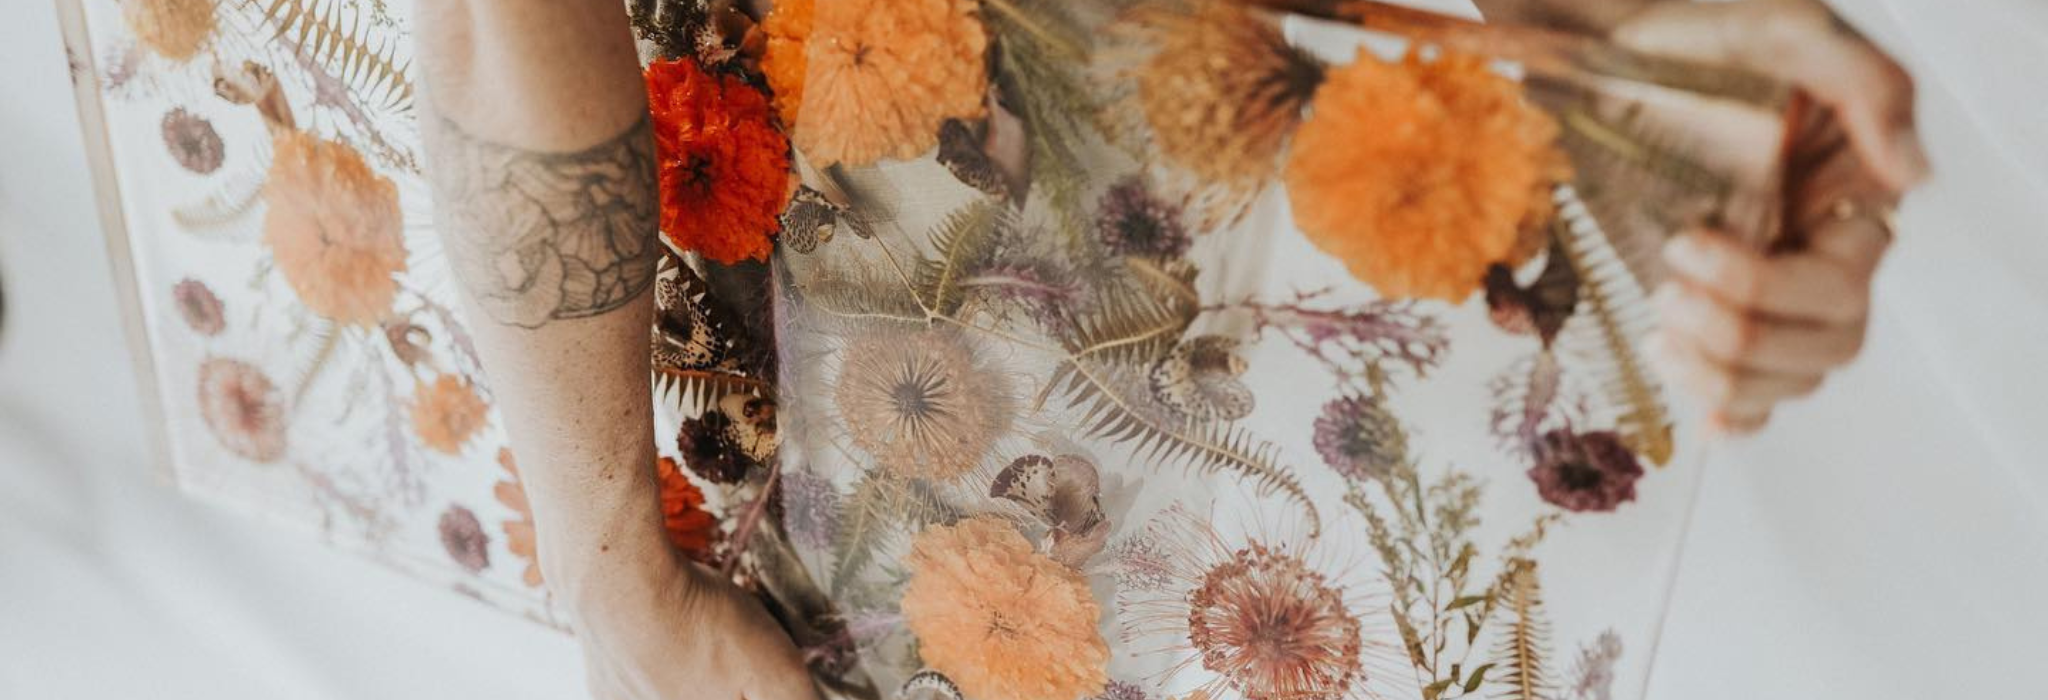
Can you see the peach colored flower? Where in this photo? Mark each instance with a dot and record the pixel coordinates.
(1001, 620)
(334, 228)
(1419, 174)
(884, 75)
(174, 29)
(724, 165)
(447, 413)
(519, 534)
(243, 409)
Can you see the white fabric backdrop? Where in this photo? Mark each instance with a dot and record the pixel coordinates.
(1887, 540)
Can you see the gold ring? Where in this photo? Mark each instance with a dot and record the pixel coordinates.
(1848, 209)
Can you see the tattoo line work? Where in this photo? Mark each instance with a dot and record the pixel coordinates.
(537, 236)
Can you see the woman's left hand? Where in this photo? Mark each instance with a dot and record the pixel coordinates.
(1746, 330)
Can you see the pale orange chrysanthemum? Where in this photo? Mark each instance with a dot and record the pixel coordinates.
(788, 31)
(692, 529)
(520, 537)
(447, 413)
(883, 75)
(1001, 620)
(334, 228)
(1420, 174)
(174, 29)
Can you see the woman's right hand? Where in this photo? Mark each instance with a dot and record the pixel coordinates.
(672, 629)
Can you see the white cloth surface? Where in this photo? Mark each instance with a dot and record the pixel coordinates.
(1886, 540)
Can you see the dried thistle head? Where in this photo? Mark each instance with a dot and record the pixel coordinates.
(1221, 94)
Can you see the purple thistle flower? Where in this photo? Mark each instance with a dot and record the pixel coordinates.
(1132, 221)
(1585, 473)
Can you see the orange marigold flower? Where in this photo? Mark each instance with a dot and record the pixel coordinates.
(1001, 620)
(724, 165)
(519, 534)
(1420, 174)
(174, 29)
(692, 529)
(884, 75)
(788, 32)
(334, 228)
(447, 413)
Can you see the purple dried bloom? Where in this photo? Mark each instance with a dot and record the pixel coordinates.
(1361, 439)
(202, 310)
(810, 509)
(464, 538)
(708, 449)
(1119, 690)
(1132, 221)
(192, 141)
(1593, 472)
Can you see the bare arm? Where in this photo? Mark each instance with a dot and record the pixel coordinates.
(542, 160)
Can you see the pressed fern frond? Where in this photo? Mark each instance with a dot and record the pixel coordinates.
(878, 509)
(1114, 407)
(1044, 52)
(340, 38)
(1522, 650)
(1614, 316)
(226, 204)
(964, 241)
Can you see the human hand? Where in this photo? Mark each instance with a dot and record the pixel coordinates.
(1745, 330)
(675, 630)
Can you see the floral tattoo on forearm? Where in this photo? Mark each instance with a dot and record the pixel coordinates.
(537, 236)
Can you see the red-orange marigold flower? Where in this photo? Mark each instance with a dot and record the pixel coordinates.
(724, 165)
(1420, 174)
(691, 528)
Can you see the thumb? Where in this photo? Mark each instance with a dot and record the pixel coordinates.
(1802, 43)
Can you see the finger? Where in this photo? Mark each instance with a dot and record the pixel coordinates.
(1737, 338)
(1801, 286)
(1805, 44)
(1727, 388)
(1857, 243)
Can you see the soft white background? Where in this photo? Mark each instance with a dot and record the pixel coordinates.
(1888, 539)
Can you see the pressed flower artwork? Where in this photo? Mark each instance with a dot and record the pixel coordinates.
(1008, 349)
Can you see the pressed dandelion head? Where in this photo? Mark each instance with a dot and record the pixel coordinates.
(921, 404)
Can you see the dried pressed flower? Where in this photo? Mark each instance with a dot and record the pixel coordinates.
(1001, 620)
(1273, 628)
(810, 509)
(788, 31)
(883, 75)
(1119, 690)
(243, 409)
(1134, 221)
(1223, 92)
(447, 413)
(921, 403)
(1585, 473)
(724, 165)
(464, 538)
(334, 228)
(1065, 493)
(1256, 615)
(929, 685)
(520, 537)
(200, 308)
(1420, 174)
(1361, 439)
(174, 29)
(692, 529)
(193, 141)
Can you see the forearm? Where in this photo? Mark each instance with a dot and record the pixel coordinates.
(541, 161)
(1592, 16)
